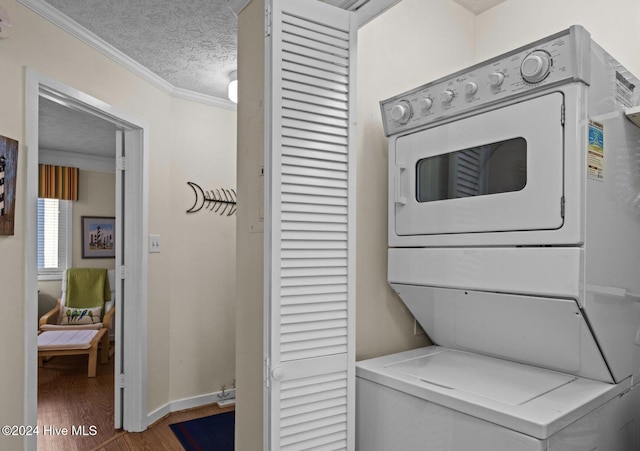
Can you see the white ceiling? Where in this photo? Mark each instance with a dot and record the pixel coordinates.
(190, 44)
(63, 129)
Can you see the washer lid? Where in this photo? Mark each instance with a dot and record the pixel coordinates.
(527, 399)
(498, 380)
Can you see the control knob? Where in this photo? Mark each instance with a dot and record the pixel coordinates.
(496, 79)
(401, 112)
(535, 66)
(446, 96)
(425, 103)
(470, 88)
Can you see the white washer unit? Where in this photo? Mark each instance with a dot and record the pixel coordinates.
(514, 235)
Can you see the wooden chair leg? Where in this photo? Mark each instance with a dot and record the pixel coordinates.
(93, 360)
(93, 351)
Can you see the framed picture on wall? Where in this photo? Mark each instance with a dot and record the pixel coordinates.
(8, 175)
(98, 237)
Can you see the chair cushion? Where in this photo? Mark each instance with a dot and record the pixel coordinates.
(75, 316)
(67, 339)
(95, 326)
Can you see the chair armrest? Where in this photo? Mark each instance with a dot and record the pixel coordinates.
(106, 319)
(50, 315)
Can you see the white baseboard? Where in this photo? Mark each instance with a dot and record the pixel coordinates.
(188, 403)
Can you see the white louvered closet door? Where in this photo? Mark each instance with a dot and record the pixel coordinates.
(310, 223)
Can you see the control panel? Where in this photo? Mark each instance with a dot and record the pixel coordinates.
(547, 62)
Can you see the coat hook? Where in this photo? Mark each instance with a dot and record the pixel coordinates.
(222, 201)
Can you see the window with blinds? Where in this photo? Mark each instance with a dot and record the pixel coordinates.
(54, 238)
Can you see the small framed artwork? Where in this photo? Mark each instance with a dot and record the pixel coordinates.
(98, 237)
(8, 175)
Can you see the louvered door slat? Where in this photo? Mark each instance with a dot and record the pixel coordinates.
(313, 271)
(311, 213)
(295, 198)
(315, 280)
(314, 126)
(323, 38)
(302, 417)
(311, 76)
(315, 243)
(315, 172)
(311, 192)
(314, 227)
(303, 50)
(336, 403)
(320, 119)
(318, 64)
(320, 28)
(289, 106)
(307, 101)
(315, 181)
(317, 325)
(312, 289)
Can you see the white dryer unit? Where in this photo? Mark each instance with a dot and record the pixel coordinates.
(514, 235)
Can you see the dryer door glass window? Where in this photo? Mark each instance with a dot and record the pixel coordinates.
(500, 167)
(500, 170)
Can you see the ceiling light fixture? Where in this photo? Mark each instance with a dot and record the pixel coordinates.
(233, 86)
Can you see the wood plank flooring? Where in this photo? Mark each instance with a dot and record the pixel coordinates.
(67, 398)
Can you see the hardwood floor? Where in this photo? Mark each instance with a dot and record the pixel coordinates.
(67, 398)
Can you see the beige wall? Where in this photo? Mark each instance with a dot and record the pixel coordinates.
(202, 250)
(175, 157)
(250, 239)
(409, 45)
(612, 24)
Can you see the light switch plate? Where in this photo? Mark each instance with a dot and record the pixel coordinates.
(154, 243)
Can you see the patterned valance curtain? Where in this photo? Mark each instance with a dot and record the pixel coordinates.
(58, 182)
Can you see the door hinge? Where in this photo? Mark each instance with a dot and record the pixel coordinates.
(121, 381)
(121, 163)
(562, 207)
(267, 373)
(562, 114)
(123, 272)
(267, 20)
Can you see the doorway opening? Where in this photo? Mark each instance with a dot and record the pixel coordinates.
(131, 207)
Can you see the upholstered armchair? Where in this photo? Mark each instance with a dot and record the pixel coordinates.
(87, 301)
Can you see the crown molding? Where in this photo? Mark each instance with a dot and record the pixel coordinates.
(73, 28)
(237, 5)
(366, 10)
(193, 96)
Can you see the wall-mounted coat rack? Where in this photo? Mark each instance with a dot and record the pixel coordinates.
(222, 201)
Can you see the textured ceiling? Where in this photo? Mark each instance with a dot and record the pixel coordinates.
(191, 44)
(67, 130)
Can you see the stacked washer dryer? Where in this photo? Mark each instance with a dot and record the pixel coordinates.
(514, 239)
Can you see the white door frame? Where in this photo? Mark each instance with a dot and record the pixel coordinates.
(136, 211)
